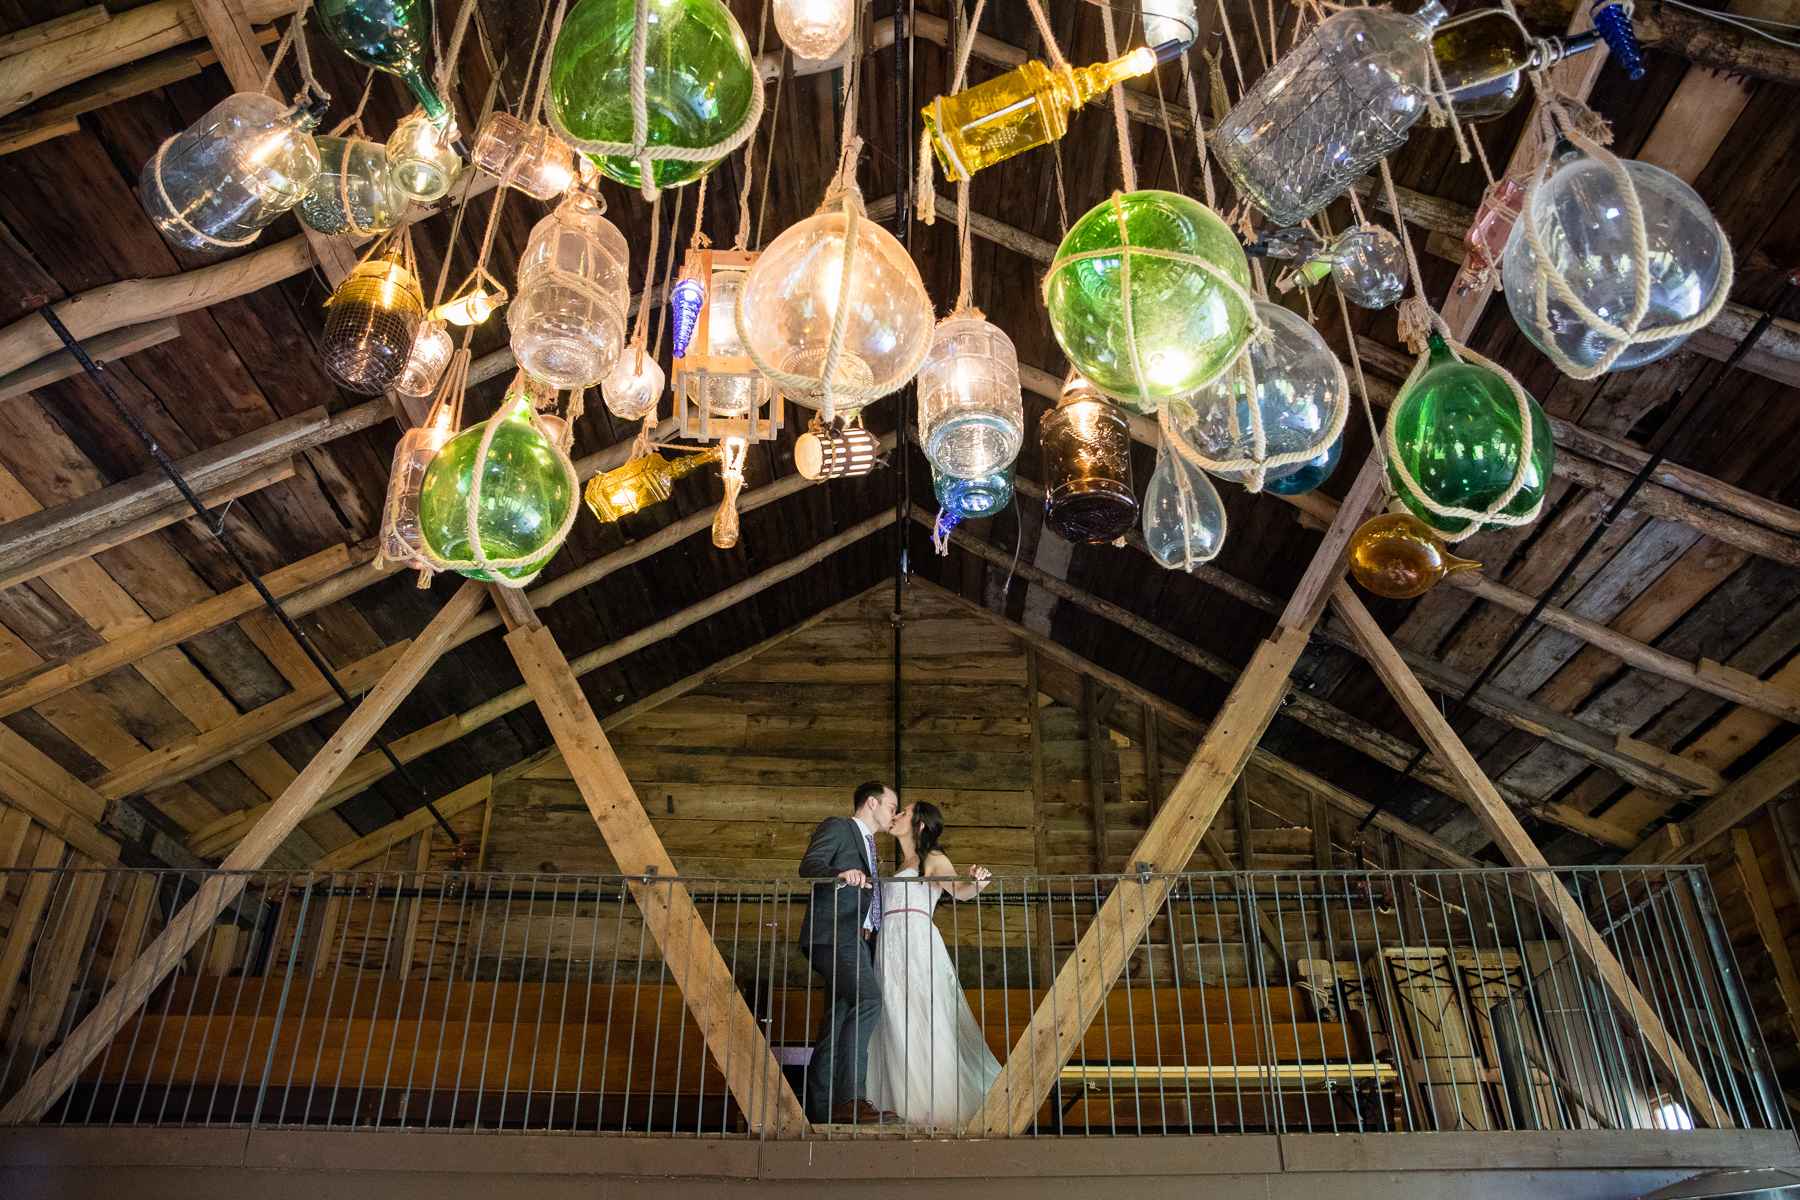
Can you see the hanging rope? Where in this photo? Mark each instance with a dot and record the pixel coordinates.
(743, 230)
(925, 189)
(1121, 124)
(639, 148)
(448, 60)
(295, 36)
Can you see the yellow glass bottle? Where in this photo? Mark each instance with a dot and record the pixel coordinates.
(1027, 107)
(640, 483)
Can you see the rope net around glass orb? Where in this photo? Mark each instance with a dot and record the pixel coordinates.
(1586, 131)
(639, 147)
(1479, 520)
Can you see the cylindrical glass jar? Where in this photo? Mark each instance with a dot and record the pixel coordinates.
(422, 158)
(1087, 468)
(354, 191)
(568, 318)
(216, 184)
(971, 499)
(431, 351)
(971, 415)
(369, 332)
(400, 535)
(540, 163)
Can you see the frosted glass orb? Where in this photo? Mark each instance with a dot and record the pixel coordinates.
(971, 415)
(1186, 324)
(632, 390)
(1582, 222)
(1179, 529)
(813, 28)
(791, 296)
(1300, 393)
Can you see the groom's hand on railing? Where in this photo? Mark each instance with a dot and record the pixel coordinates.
(854, 878)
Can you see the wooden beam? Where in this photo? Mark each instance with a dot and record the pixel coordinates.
(1096, 770)
(1768, 929)
(223, 887)
(1747, 794)
(737, 1044)
(29, 910)
(353, 855)
(1319, 817)
(53, 30)
(1557, 904)
(58, 959)
(1715, 45)
(1035, 1064)
(106, 347)
(55, 799)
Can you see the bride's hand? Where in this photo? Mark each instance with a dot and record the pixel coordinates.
(982, 877)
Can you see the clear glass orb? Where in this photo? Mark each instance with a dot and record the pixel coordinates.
(431, 352)
(791, 296)
(732, 394)
(698, 79)
(971, 499)
(813, 28)
(1299, 393)
(525, 497)
(1182, 528)
(1369, 266)
(971, 414)
(354, 191)
(1185, 324)
(1311, 473)
(568, 319)
(1581, 217)
(633, 389)
(423, 162)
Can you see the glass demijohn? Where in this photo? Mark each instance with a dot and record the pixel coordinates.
(634, 387)
(971, 414)
(369, 331)
(568, 318)
(422, 157)
(354, 191)
(698, 79)
(1581, 217)
(1458, 431)
(1328, 110)
(400, 536)
(526, 497)
(1087, 468)
(814, 28)
(389, 35)
(219, 182)
(1300, 395)
(1399, 556)
(1182, 525)
(1185, 323)
(528, 157)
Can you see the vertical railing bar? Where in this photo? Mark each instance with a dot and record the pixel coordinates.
(1448, 1067)
(405, 970)
(1288, 987)
(637, 996)
(562, 1008)
(1384, 993)
(1162, 1100)
(187, 1020)
(1746, 1037)
(1171, 902)
(262, 990)
(587, 1011)
(237, 1000)
(106, 1056)
(287, 1085)
(474, 967)
(1255, 983)
(537, 1028)
(612, 995)
(1608, 1019)
(287, 987)
(663, 978)
(1626, 934)
(109, 886)
(174, 908)
(412, 1069)
(362, 1074)
(1677, 1006)
(512, 1036)
(1540, 1009)
(1328, 943)
(1479, 1011)
(487, 1037)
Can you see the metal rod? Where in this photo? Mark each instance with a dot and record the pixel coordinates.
(223, 536)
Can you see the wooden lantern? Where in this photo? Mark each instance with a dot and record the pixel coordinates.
(822, 453)
(693, 373)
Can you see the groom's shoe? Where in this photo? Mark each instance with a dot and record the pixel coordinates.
(859, 1112)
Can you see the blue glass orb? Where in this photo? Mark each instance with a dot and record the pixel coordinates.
(1311, 474)
(970, 499)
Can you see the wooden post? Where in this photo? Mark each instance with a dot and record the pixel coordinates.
(1319, 816)
(1056, 1028)
(1558, 905)
(400, 954)
(730, 1030)
(1153, 786)
(1762, 911)
(215, 895)
(1240, 814)
(1096, 769)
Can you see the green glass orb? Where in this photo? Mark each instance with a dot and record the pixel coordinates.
(526, 496)
(1457, 429)
(698, 80)
(389, 35)
(1186, 323)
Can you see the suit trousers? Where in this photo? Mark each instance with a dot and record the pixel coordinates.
(839, 1069)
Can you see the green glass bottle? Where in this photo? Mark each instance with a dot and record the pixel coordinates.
(1185, 322)
(1457, 429)
(698, 77)
(527, 493)
(389, 35)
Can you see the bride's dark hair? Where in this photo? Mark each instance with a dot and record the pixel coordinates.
(927, 828)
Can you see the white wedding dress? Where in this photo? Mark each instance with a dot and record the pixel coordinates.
(927, 1059)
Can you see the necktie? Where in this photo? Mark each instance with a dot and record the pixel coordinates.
(875, 868)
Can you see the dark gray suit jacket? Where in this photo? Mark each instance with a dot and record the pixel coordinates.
(834, 914)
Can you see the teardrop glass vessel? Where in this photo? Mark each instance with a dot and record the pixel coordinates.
(1182, 527)
(389, 35)
(1399, 556)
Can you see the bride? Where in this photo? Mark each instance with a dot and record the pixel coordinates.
(927, 1059)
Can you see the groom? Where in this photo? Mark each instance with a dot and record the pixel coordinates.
(837, 937)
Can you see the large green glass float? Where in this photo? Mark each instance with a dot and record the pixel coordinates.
(699, 82)
(389, 35)
(1156, 272)
(525, 506)
(1458, 430)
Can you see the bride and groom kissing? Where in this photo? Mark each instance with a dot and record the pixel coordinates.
(898, 1041)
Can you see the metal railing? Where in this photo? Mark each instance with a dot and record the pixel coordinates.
(1266, 1002)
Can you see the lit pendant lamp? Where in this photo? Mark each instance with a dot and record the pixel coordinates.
(425, 365)
(718, 390)
(423, 159)
(641, 482)
(814, 28)
(375, 314)
(402, 540)
(634, 387)
(1087, 467)
(971, 413)
(826, 453)
(527, 157)
(214, 186)
(568, 319)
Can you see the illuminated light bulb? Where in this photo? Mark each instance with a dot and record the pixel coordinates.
(471, 309)
(814, 28)
(369, 331)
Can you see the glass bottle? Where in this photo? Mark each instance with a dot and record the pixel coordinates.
(971, 413)
(1399, 556)
(640, 483)
(1025, 107)
(431, 352)
(400, 534)
(369, 331)
(814, 28)
(1087, 468)
(1484, 56)
(423, 160)
(1501, 205)
(525, 497)
(1585, 227)
(1185, 323)
(698, 77)
(1328, 110)
(1458, 431)
(528, 157)
(354, 191)
(389, 35)
(217, 183)
(972, 499)
(568, 319)
(1182, 526)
